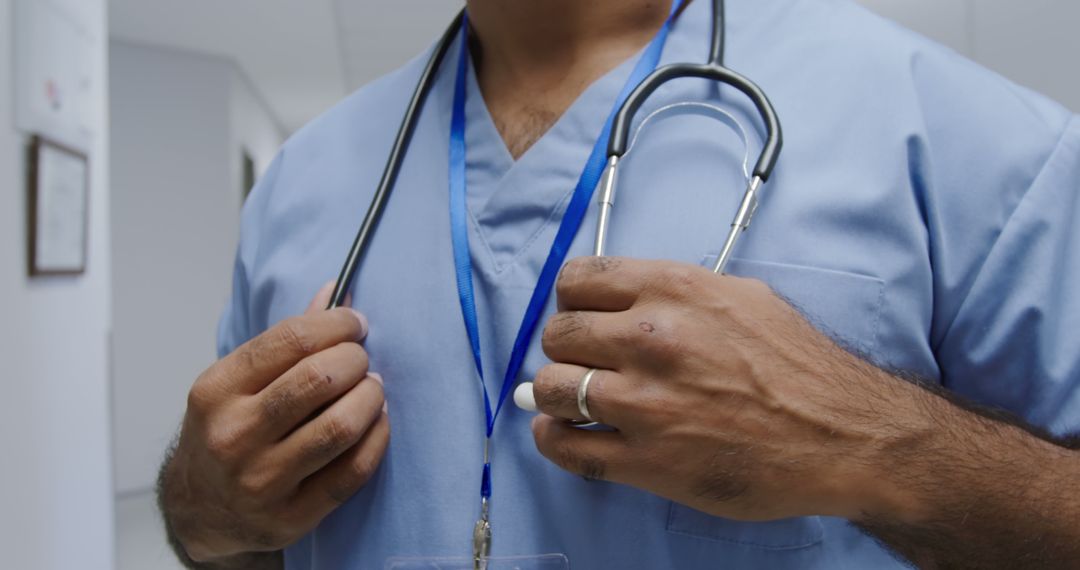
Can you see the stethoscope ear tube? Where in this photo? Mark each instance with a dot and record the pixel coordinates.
(770, 152)
(393, 163)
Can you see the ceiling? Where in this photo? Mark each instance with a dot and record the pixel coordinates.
(301, 55)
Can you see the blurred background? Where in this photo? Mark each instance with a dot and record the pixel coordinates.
(180, 107)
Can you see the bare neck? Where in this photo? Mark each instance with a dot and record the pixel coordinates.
(538, 35)
(535, 57)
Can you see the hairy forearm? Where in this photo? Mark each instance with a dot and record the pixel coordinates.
(247, 561)
(252, 561)
(977, 489)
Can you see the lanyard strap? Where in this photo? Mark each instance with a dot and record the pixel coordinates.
(575, 213)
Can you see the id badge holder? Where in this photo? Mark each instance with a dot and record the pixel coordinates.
(534, 562)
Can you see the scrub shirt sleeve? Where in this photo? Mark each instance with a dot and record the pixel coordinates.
(1012, 341)
(236, 325)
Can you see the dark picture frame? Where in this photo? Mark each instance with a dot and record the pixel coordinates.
(58, 213)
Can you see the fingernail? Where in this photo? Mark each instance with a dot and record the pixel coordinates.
(524, 397)
(363, 324)
(378, 378)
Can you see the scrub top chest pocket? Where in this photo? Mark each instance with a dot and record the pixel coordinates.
(844, 306)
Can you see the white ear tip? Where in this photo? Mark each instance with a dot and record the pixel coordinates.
(523, 397)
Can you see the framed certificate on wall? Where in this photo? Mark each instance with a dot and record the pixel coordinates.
(58, 209)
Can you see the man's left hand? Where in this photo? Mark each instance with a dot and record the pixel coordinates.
(721, 396)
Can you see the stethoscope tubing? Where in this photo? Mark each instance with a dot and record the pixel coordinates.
(393, 163)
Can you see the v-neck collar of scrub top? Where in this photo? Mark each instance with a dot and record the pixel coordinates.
(532, 192)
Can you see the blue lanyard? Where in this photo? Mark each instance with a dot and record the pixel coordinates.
(575, 212)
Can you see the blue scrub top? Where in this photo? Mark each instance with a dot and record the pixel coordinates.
(921, 214)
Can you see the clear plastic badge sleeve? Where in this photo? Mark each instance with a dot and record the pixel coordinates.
(534, 562)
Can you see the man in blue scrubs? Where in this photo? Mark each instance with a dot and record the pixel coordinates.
(915, 404)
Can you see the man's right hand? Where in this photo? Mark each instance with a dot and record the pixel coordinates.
(277, 435)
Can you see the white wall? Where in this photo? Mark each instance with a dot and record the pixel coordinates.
(174, 209)
(1033, 42)
(180, 124)
(56, 509)
(140, 538)
(254, 129)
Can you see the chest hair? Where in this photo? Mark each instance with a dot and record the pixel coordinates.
(522, 125)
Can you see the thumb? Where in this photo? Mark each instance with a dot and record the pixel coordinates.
(322, 298)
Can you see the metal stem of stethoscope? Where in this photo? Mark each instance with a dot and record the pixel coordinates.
(738, 225)
(607, 202)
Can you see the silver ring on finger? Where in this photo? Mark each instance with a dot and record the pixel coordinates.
(583, 398)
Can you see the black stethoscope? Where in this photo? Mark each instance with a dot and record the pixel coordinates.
(617, 144)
